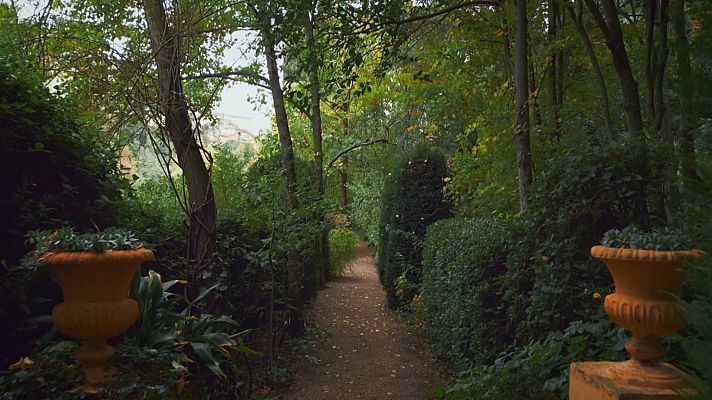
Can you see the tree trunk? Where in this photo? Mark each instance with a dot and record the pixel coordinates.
(688, 119)
(600, 80)
(533, 96)
(315, 117)
(552, 112)
(280, 111)
(661, 66)
(343, 185)
(294, 267)
(165, 43)
(611, 28)
(560, 68)
(521, 94)
(650, 12)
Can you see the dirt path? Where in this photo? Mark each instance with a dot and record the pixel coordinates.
(369, 354)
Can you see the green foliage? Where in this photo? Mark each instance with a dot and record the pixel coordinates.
(173, 324)
(463, 264)
(53, 373)
(632, 237)
(539, 370)
(56, 169)
(365, 206)
(66, 239)
(412, 200)
(231, 183)
(696, 340)
(343, 245)
(152, 210)
(531, 281)
(577, 198)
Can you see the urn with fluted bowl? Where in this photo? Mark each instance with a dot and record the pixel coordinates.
(96, 306)
(644, 304)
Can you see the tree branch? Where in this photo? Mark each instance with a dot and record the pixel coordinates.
(230, 75)
(445, 11)
(354, 147)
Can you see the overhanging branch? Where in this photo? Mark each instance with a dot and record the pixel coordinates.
(354, 147)
(452, 8)
(232, 75)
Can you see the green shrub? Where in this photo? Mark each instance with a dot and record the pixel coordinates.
(343, 246)
(696, 340)
(578, 198)
(632, 237)
(53, 373)
(153, 211)
(543, 286)
(57, 171)
(412, 200)
(463, 263)
(539, 370)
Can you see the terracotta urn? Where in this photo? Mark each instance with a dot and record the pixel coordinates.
(644, 304)
(96, 304)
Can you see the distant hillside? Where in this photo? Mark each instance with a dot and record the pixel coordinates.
(140, 159)
(225, 130)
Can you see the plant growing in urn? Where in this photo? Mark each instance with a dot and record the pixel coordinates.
(648, 269)
(94, 272)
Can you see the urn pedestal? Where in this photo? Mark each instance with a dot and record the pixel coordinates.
(643, 304)
(95, 307)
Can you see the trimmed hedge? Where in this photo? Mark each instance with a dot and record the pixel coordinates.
(521, 292)
(412, 200)
(463, 264)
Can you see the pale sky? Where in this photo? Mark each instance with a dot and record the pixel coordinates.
(240, 100)
(234, 103)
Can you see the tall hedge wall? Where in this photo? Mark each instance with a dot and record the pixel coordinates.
(521, 291)
(412, 200)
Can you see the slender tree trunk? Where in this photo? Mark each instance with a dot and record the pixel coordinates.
(650, 12)
(688, 119)
(560, 69)
(533, 95)
(521, 94)
(294, 267)
(661, 66)
(343, 185)
(165, 43)
(316, 125)
(551, 75)
(600, 80)
(315, 117)
(611, 28)
(343, 171)
(280, 111)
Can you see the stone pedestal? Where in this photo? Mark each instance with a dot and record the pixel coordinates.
(627, 380)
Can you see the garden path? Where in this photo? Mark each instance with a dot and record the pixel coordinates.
(369, 353)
